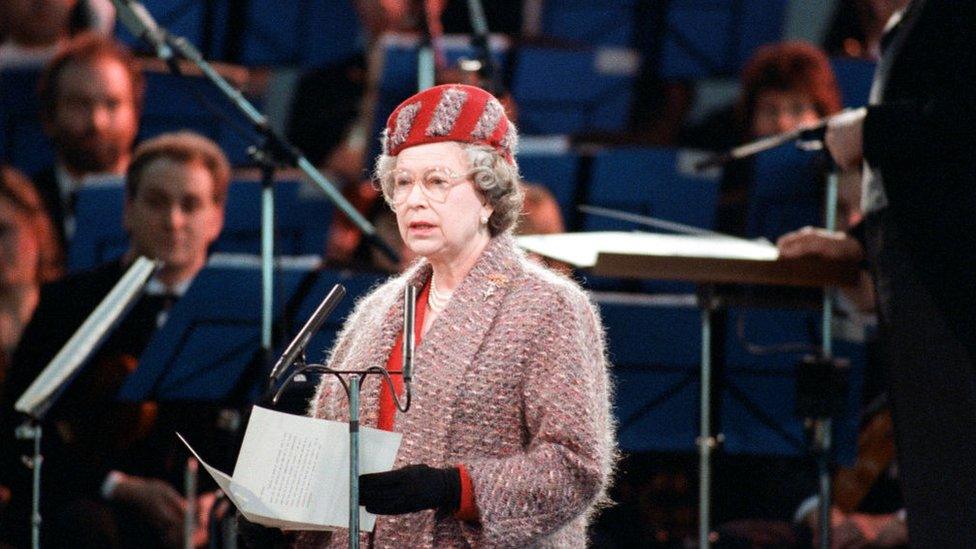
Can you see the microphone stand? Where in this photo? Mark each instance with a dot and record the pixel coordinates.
(352, 388)
(45, 390)
(480, 42)
(272, 150)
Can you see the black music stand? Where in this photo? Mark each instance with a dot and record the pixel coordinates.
(211, 337)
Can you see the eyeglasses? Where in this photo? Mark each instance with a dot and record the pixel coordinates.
(435, 183)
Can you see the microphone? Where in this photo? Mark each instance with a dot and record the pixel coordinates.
(297, 345)
(136, 18)
(409, 334)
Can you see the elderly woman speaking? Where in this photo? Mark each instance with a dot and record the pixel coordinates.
(509, 441)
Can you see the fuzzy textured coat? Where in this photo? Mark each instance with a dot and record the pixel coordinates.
(511, 381)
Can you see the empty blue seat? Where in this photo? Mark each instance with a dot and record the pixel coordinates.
(302, 218)
(173, 103)
(708, 38)
(656, 182)
(22, 140)
(590, 21)
(203, 24)
(561, 90)
(557, 169)
(308, 33)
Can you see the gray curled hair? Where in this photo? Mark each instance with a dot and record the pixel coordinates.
(491, 173)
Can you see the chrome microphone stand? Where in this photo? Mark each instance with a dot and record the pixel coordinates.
(352, 389)
(272, 150)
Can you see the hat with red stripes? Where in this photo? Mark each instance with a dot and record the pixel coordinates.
(451, 112)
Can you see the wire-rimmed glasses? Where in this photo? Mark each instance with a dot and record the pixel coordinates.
(435, 183)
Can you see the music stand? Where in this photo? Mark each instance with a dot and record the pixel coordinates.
(212, 335)
(707, 260)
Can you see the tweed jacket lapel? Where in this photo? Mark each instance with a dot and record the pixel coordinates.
(450, 347)
(445, 353)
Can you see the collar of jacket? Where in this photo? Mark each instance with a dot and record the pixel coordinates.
(446, 351)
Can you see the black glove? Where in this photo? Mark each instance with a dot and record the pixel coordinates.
(410, 489)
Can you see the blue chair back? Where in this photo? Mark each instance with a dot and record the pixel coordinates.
(22, 140)
(562, 90)
(709, 38)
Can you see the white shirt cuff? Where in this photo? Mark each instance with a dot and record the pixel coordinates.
(112, 479)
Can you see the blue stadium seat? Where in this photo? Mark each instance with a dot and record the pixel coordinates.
(561, 90)
(307, 33)
(554, 167)
(22, 140)
(590, 22)
(759, 396)
(786, 192)
(173, 103)
(708, 38)
(655, 351)
(302, 218)
(854, 77)
(650, 181)
(653, 182)
(203, 24)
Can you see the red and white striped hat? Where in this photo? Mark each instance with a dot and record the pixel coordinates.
(451, 112)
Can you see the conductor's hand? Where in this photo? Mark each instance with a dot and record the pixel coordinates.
(410, 489)
(845, 139)
(157, 501)
(813, 241)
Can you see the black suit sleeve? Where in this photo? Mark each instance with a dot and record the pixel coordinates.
(928, 115)
(67, 471)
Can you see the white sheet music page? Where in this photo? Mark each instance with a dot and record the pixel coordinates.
(293, 472)
(581, 249)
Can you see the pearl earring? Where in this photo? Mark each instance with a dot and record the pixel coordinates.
(484, 220)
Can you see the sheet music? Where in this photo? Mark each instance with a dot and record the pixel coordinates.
(86, 339)
(293, 472)
(581, 249)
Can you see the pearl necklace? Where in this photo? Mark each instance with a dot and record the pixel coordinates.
(435, 299)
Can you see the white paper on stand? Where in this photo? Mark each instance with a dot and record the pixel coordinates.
(292, 472)
(582, 249)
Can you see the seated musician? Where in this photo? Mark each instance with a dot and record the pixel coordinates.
(110, 469)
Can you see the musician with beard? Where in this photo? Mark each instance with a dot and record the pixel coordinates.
(91, 97)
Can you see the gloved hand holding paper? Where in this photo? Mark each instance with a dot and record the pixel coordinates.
(293, 472)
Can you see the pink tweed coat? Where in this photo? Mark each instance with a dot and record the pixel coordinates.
(511, 381)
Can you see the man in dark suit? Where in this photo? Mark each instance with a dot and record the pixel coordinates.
(110, 468)
(91, 96)
(916, 143)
